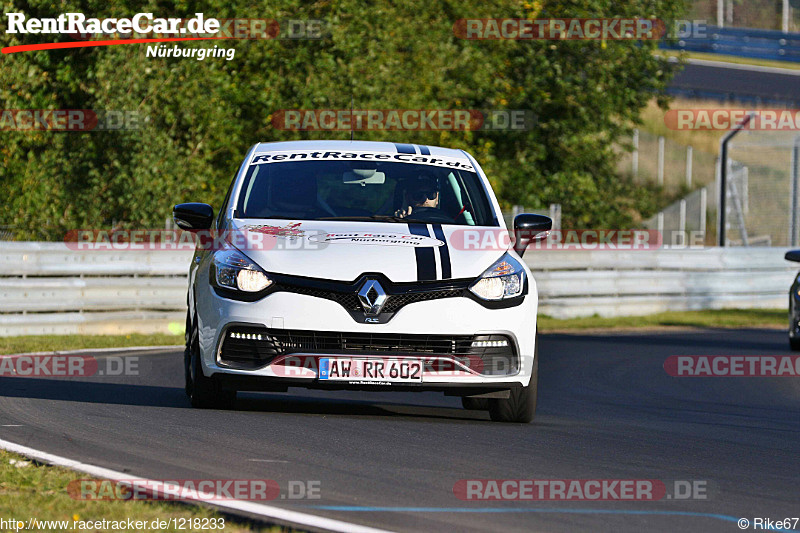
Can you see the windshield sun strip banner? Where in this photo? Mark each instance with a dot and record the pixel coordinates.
(260, 158)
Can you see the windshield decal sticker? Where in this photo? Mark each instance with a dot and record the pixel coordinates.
(340, 155)
(384, 239)
(290, 230)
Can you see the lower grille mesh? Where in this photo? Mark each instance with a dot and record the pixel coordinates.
(242, 347)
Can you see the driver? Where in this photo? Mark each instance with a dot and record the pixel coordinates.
(421, 192)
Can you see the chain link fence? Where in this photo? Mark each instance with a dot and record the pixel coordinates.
(685, 222)
(667, 163)
(763, 188)
(6, 233)
(762, 196)
(758, 14)
(554, 212)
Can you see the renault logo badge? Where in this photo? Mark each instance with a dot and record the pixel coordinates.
(372, 297)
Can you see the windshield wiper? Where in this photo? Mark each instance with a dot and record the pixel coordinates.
(387, 218)
(276, 217)
(379, 218)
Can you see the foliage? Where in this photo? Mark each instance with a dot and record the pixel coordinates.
(203, 115)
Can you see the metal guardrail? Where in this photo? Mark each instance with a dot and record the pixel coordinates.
(743, 42)
(623, 283)
(45, 288)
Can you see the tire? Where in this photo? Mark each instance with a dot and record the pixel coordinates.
(794, 344)
(475, 404)
(203, 392)
(520, 406)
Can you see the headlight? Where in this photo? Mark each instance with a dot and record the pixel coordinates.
(231, 269)
(504, 279)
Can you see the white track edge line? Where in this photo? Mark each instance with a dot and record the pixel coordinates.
(101, 350)
(743, 66)
(266, 511)
(736, 66)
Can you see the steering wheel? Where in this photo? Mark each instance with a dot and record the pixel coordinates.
(431, 214)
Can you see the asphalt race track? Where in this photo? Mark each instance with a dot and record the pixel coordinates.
(711, 79)
(607, 410)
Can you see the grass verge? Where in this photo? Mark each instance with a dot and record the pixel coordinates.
(32, 490)
(725, 318)
(47, 343)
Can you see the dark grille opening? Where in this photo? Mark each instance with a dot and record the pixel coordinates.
(493, 355)
(394, 302)
(294, 341)
(242, 347)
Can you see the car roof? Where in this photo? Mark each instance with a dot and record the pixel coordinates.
(364, 146)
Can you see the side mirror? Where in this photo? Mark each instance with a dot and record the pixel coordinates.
(193, 216)
(529, 227)
(792, 255)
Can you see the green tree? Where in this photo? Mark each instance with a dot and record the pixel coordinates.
(201, 116)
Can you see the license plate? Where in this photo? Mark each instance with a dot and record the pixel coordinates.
(370, 370)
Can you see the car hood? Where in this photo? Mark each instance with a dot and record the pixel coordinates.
(344, 250)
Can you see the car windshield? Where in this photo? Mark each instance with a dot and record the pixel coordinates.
(383, 191)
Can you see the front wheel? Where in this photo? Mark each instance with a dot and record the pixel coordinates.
(474, 404)
(520, 406)
(794, 344)
(203, 392)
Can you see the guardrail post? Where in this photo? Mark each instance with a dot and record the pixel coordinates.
(793, 197)
(723, 177)
(785, 17)
(689, 155)
(703, 209)
(682, 221)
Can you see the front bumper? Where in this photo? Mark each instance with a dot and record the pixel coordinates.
(289, 311)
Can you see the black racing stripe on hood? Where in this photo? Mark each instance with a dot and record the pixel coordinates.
(426, 260)
(444, 252)
(405, 148)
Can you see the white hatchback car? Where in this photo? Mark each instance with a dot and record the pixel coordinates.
(363, 266)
